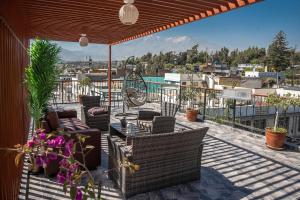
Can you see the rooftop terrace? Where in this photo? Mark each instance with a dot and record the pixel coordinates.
(236, 164)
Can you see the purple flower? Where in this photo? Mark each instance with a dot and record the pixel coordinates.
(30, 143)
(60, 140)
(42, 161)
(39, 131)
(42, 136)
(51, 143)
(52, 156)
(73, 167)
(60, 178)
(35, 140)
(69, 148)
(64, 163)
(56, 142)
(78, 194)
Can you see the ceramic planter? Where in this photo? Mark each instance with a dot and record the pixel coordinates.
(275, 140)
(80, 98)
(191, 114)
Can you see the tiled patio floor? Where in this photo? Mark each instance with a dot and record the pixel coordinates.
(235, 165)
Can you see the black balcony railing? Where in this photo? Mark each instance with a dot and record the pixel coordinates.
(252, 115)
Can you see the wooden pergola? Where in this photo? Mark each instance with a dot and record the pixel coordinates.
(66, 20)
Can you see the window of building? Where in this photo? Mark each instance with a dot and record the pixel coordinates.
(183, 83)
(196, 84)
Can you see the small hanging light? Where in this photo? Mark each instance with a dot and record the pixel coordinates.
(128, 13)
(83, 40)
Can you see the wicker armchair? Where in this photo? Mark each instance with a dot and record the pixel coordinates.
(159, 124)
(164, 159)
(100, 121)
(167, 109)
(165, 123)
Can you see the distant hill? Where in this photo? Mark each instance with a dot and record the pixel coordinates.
(77, 55)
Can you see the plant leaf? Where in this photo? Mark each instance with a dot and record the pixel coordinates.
(92, 194)
(18, 158)
(89, 147)
(65, 187)
(73, 190)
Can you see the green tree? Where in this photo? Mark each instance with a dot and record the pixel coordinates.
(223, 55)
(279, 52)
(192, 55)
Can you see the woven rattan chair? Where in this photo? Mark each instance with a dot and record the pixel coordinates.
(159, 124)
(164, 159)
(146, 118)
(100, 121)
(167, 109)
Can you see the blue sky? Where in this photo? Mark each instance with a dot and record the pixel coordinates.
(254, 25)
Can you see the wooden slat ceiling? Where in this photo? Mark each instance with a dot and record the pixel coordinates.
(66, 19)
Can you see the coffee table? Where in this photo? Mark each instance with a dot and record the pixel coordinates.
(130, 131)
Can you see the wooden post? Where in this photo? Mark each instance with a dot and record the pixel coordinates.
(109, 75)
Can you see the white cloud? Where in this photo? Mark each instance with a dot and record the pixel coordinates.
(178, 39)
(149, 37)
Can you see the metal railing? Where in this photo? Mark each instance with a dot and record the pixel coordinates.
(252, 115)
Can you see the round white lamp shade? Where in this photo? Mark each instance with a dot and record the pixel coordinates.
(128, 14)
(83, 40)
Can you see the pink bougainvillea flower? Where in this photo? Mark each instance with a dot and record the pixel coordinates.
(30, 143)
(64, 163)
(51, 143)
(35, 140)
(69, 148)
(42, 161)
(56, 142)
(39, 130)
(73, 167)
(52, 156)
(42, 136)
(78, 194)
(60, 178)
(60, 140)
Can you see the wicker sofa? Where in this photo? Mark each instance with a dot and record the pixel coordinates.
(164, 159)
(68, 121)
(100, 121)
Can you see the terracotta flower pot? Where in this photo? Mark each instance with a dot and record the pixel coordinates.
(191, 114)
(275, 140)
(80, 98)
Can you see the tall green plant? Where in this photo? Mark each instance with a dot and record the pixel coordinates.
(41, 76)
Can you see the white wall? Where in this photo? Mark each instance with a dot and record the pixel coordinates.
(173, 77)
(282, 92)
(252, 74)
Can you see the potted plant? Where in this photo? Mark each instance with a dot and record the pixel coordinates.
(40, 81)
(189, 92)
(83, 83)
(275, 136)
(41, 77)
